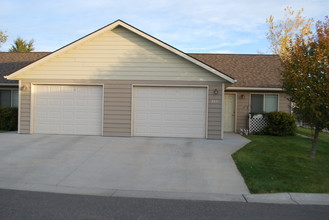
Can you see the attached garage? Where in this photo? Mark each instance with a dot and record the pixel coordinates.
(169, 111)
(119, 81)
(68, 109)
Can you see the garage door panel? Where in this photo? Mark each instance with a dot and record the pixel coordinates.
(67, 109)
(170, 111)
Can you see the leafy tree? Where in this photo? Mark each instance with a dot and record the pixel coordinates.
(21, 45)
(305, 60)
(3, 37)
(282, 32)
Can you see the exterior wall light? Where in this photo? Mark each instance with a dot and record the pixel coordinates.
(24, 88)
(215, 91)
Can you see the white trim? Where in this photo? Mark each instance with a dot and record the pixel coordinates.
(103, 106)
(19, 107)
(254, 89)
(235, 108)
(222, 112)
(32, 108)
(67, 84)
(134, 30)
(132, 131)
(32, 128)
(166, 85)
(207, 111)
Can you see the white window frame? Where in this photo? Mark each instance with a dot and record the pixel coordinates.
(264, 94)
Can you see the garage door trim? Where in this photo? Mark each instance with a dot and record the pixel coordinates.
(32, 104)
(169, 85)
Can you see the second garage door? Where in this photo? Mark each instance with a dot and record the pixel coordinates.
(68, 109)
(169, 111)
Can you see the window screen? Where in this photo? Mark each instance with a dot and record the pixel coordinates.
(14, 98)
(271, 103)
(257, 103)
(5, 98)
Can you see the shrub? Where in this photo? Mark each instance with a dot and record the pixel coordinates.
(8, 118)
(280, 124)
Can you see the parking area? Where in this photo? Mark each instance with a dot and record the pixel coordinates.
(72, 164)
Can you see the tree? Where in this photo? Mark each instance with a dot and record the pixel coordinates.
(3, 37)
(21, 45)
(305, 60)
(283, 32)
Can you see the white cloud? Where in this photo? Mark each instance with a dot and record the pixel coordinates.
(214, 24)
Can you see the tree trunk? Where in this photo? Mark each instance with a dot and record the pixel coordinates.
(315, 141)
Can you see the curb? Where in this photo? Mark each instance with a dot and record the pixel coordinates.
(275, 198)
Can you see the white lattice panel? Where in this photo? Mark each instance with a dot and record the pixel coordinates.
(256, 123)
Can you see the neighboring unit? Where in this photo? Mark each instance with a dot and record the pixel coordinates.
(258, 88)
(120, 81)
(9, 63)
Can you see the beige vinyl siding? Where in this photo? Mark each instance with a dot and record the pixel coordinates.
(284, 103)
(119, 55)
(117, 109)
(214, 112)
(25, 107)
(243, 106)
(117, 104)
(242, 110)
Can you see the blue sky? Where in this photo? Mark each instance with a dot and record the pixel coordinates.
(203, 26)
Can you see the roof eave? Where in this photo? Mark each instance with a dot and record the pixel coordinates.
(254, 89)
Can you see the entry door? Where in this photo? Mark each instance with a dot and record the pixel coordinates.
(229, 113)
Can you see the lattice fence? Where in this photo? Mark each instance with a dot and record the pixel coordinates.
(256, 123)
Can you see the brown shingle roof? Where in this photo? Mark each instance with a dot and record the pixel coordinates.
(249, 70)
(11, 62)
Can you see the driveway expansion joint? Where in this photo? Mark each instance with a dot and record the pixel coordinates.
(83, 162)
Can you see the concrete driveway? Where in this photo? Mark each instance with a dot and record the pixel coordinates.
(102, 165)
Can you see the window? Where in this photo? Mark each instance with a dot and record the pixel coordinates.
(261, 103)
(14, 98)
(9, 98)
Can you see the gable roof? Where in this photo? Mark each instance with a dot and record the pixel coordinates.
(11, 62)
(134, 30)
(253, 71)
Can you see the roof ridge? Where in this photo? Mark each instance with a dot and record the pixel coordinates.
(235, 54)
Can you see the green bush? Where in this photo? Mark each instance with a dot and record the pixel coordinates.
(280, 124)
(8, 118)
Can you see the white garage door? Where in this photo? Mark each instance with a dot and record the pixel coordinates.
(169, 112)
(66, 109)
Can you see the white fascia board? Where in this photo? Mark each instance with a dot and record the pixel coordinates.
(253, 89)
(136, 31)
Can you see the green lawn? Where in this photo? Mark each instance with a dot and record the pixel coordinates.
(308, 132)
(282, 164)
